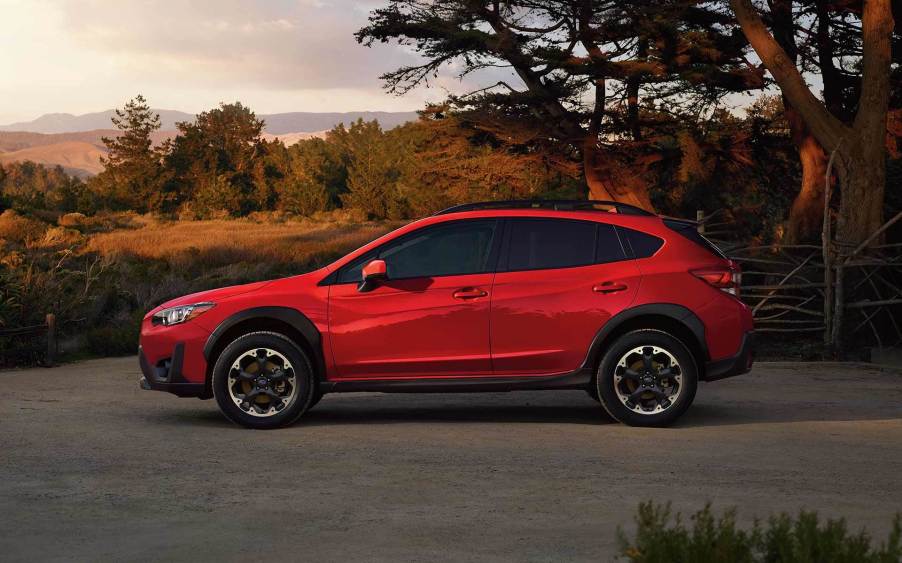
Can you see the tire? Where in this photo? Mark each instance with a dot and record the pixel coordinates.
(278, 398)
(638, 383)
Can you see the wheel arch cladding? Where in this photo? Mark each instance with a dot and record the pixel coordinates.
(283, 320)
(671, 318)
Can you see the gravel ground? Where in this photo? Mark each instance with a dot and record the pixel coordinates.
(92, 468)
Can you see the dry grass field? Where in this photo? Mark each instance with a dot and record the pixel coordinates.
(222, 242)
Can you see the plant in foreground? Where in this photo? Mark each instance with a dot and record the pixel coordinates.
(661, 536)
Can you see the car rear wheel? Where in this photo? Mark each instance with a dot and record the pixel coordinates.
(263, 380)
(647, 378)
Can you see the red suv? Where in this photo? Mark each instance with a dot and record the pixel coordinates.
(496, 296)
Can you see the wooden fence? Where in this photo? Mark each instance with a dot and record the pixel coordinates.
(836, 290)
(48, 329)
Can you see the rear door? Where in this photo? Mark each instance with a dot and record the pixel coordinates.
(558, 282)
(430, 318)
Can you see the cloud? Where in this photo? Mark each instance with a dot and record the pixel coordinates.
(279, 43)
(79, 56)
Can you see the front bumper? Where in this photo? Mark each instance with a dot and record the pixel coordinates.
(735, 365)
(167, 376)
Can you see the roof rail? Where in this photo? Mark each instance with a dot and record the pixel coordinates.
(556, 204)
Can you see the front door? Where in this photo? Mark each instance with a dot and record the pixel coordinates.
(430, 317)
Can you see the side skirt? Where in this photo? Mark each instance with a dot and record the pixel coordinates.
(578, 379)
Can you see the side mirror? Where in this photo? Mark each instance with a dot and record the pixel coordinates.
(374, 272)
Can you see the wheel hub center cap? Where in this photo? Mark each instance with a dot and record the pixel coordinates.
(262, 382)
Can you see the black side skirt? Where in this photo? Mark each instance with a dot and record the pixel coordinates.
(578, 379)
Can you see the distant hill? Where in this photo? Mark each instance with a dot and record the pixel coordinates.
(276, 123)
(77, 158)
(79, 152)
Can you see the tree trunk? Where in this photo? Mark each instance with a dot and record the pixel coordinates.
(598, 188)
(610, 179)
(807, 211)
(861, 148)
(862, 175)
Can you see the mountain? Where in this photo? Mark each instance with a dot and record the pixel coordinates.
(79, 153)
(77, 158)
(276, 123)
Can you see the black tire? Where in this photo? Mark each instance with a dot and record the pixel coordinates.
(646, 338)
(300, 367)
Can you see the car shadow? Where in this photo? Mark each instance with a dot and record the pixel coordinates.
(539, 408)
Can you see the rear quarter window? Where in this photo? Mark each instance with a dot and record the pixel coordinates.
(642, 244)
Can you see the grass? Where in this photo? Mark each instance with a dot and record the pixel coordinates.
(100, 274)
(662, 537)
(218, 243)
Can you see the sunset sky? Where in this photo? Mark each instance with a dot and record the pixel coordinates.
(79, 56)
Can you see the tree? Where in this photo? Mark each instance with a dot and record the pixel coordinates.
(583, 67)
(132, 167)
(858, 140)
(212, 161)
(372, 168)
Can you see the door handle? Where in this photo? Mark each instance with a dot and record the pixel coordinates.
(469, 293)
(608, 287)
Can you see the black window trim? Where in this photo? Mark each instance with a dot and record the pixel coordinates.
(491, 265)
(504, 262)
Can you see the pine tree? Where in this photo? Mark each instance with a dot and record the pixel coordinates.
(131, 177)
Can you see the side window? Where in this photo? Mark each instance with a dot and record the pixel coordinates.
(456, 248)
(550, 243)
(608, 247)
(643, 244)
(353, 271)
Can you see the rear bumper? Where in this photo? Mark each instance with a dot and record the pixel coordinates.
(167, 376)
(735, 365)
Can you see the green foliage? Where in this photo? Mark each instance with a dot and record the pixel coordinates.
(212, 163)
(132, 172)
(27, 186)
(661, 537)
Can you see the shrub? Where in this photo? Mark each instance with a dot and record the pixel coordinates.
(662, 537)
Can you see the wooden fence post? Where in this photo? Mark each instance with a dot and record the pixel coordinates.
(51, 339)
(700, 216)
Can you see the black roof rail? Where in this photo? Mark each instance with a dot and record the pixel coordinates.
(556, 204)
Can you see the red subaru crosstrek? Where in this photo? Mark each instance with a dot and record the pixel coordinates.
(499, 296)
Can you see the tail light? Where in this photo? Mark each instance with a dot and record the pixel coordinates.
(727, 279)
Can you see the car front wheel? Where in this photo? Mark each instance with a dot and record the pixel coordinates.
(647, 378)
(263, 380)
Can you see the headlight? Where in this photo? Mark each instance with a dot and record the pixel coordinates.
(180, 314)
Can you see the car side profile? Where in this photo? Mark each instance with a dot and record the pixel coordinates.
(634, 308)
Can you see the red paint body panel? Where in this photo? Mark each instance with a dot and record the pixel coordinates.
(411, 328)
(543, 321)
(537, 322)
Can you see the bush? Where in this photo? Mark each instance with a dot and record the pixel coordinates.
(662, 537)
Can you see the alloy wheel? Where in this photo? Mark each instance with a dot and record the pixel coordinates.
(648, 380)
(262, 382)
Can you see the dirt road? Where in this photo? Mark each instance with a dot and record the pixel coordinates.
(92, 468)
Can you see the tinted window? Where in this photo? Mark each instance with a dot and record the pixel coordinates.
(452, 249)
(608, 247)
(690, 231)
(643, 244)
(354, 270)
(550, 243)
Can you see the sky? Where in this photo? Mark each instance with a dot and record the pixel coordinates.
(80, 56)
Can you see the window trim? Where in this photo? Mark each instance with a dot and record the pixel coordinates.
(491, 263)
(504, 262)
